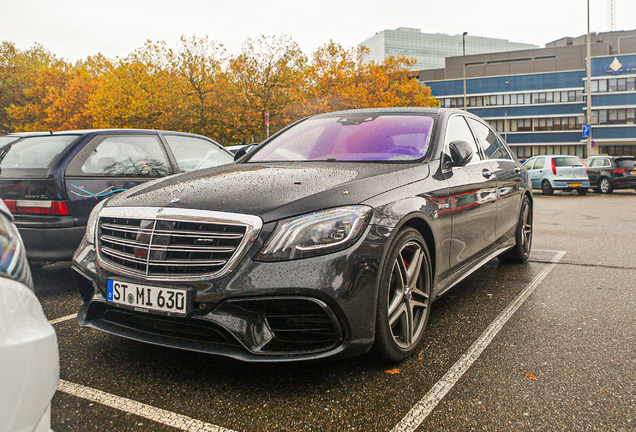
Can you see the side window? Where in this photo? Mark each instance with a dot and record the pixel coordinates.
(540, 163)
(458, 130)
(195, 153)
(488, 141)
(120, 156)
(606, 162)
(598, 162)
(528, 164)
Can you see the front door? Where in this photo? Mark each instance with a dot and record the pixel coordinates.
(473, 197)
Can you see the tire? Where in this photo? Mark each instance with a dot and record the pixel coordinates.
(404, 301)
(523, 235)
(547, 188)
(605, 186)
(582, 191)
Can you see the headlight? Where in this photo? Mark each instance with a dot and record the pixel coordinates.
(91, 226)
(317, 233)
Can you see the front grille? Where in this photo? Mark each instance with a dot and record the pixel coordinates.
(174, 244)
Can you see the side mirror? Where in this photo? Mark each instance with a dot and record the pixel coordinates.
(460, 154)
(243, 151)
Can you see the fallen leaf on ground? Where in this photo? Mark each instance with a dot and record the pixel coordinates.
(529, 375)
(392, 371)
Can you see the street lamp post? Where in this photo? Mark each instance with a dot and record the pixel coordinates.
(464, 62)
(588, 65)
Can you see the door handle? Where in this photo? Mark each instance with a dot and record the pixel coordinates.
(517, 170)
(487, 173)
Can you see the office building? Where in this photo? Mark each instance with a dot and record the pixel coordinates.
(536, 98)
(430, 50)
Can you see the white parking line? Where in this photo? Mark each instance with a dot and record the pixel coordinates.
(64, 318)
(149, 412)
(425, 406)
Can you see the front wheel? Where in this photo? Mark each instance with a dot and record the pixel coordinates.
(404, 298)
(582, 191)
(523, 236)
(546, 188)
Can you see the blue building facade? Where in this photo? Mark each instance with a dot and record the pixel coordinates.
(536, 98)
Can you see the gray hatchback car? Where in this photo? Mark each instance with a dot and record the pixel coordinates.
(550, 172)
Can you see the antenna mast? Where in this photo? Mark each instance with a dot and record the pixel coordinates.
(611, 15)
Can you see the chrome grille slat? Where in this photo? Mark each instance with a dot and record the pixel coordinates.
(192, 248)
(186, 263)
(173, 244)
(123, 255)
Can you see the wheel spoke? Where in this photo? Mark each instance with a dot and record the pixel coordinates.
(415, 267)
(419, 293)
(399, 311)
(408, 325)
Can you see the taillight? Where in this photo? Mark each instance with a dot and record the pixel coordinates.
(620, 170)
(553, 167)
(38, 207)
(583, 162)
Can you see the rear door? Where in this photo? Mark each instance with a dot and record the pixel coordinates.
(508, 175)
(112, 163)
(594, 169)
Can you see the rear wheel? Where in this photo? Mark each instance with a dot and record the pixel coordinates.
(404, 298)
(582, 191)
(521, 250)
(605, 186)
(546, 188)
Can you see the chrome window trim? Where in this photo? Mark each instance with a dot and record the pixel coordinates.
(252, 223)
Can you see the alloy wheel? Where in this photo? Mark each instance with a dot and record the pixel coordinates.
(526, 234)
(408, 300)
(605, 185)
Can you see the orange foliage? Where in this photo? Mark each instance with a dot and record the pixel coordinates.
(196, 88)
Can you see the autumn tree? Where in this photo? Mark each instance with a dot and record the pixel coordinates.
(139, 92)
(267, 77)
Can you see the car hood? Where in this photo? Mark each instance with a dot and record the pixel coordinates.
(273, 190)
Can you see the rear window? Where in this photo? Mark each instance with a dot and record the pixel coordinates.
(567, 162)
(626, 163)
(34, 152)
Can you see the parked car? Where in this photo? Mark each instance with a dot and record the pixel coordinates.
(550, 172)
(612, 172)
(52, 181)
(330, 238)
(29, 356)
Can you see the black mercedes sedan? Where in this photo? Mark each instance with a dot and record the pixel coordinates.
(330, 239)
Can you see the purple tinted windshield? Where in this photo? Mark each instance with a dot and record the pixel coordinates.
(351, 138)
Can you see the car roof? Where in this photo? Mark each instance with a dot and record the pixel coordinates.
(87, 131)
(395, 110)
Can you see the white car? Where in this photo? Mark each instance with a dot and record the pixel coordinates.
(29, 356)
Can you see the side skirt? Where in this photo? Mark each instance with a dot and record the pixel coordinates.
(466, 271)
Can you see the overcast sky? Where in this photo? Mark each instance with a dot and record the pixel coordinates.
(75, 29)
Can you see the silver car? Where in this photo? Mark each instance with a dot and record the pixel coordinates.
(550, 172)
(29, 359)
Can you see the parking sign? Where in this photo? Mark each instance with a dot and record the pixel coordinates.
(586, 130)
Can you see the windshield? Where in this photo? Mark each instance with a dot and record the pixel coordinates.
(567, 161)
(8, 139)
(351, 138)
(34, 152)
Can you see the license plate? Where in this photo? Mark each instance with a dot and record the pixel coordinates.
(633, 172)
(574, 185)
(145, 298)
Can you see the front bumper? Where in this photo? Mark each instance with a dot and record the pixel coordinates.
(263, 311)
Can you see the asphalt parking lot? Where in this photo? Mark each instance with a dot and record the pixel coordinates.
(544, 346)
